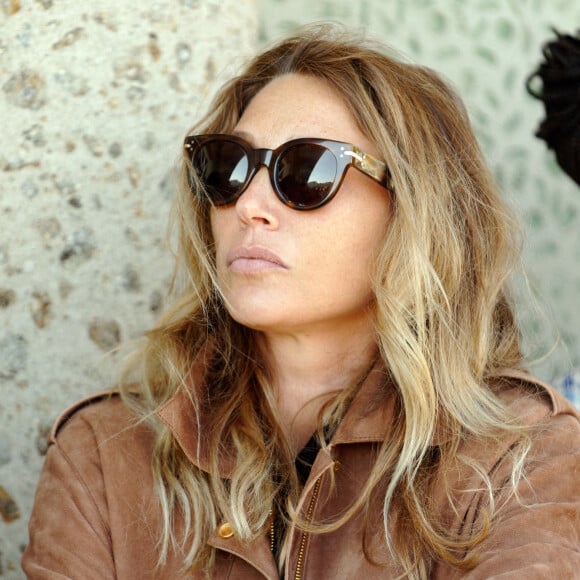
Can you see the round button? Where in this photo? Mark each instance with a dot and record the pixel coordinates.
(225, 531)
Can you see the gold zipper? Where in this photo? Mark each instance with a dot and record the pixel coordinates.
(272, 531)
(304, 538)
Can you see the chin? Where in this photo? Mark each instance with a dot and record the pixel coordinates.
(254, 318)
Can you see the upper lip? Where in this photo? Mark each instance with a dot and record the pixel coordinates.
(254, 253)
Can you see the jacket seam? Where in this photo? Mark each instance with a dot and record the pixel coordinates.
(87, 490)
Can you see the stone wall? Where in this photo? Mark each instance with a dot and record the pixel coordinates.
(95, 98)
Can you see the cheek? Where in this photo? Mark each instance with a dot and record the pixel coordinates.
(342, 256)
(355, 247)
(214, 223)
(218, 225)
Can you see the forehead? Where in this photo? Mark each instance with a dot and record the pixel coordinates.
(296, 105)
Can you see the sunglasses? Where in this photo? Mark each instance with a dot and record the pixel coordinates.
(305, 173)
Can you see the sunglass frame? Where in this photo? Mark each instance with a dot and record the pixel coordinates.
(346, 155)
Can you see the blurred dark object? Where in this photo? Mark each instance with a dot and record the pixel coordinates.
(560, 93)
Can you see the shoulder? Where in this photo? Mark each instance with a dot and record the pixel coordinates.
(535, 401)
(95, 503)
(100, 417)
(90, 401)
(541, 419)
(552, 432)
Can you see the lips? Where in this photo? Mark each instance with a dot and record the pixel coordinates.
(254, 259)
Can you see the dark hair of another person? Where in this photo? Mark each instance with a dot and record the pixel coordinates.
(560, 92)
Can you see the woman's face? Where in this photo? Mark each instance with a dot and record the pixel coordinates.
(288, 271)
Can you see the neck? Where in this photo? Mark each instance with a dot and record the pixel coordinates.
(309, 369)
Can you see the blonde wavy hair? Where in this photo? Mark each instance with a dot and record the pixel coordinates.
(445, 326)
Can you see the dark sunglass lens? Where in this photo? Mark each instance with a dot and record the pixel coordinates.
(305, 174)
(222, 167)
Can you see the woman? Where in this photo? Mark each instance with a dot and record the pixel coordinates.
(338, 391)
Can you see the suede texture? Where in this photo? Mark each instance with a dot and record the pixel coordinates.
(96, 515)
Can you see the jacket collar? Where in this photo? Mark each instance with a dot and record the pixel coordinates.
(366, 420)
(371, 411)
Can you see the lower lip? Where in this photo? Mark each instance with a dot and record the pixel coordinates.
(253, 265)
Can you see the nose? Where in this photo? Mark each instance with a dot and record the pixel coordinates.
(258, 204)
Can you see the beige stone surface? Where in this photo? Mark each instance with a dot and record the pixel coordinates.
(95, 98)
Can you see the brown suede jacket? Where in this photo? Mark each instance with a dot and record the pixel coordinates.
(96, 516)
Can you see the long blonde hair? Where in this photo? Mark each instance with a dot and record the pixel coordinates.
(444, 323)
